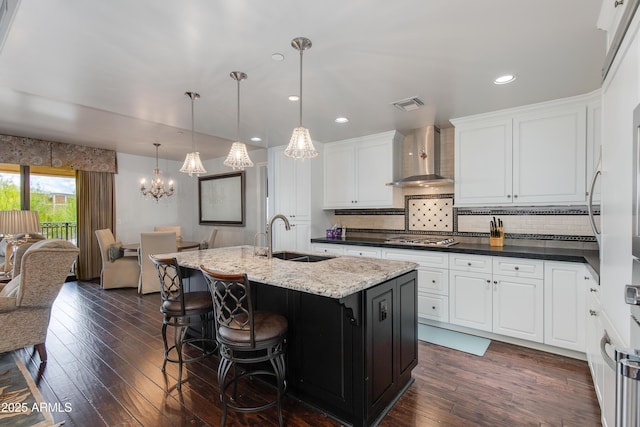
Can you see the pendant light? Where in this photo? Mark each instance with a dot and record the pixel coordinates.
(238, 157)
(156, 189)
(192, 164)
(300, 146)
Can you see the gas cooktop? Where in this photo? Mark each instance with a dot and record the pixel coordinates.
(422, 241)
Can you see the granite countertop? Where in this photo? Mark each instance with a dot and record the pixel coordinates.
(589, 257)
(337, 277)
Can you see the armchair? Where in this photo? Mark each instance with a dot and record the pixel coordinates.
(25, 302)
(121, 272)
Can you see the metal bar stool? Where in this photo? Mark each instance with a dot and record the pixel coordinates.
(182, 310)
(245, 337)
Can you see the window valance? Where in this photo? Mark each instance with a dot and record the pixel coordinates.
(37, 152)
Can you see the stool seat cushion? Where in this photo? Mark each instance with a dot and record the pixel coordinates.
(267, 326)
(194, 303)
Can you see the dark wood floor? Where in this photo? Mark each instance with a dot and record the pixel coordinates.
(105, 354)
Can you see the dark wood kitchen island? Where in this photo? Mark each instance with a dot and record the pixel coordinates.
(352, 340)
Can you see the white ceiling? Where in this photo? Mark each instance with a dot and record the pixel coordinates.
(113, 73)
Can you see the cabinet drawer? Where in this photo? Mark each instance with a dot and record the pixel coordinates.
(518, 267)
(327, 249)
(434, 307)
(363, 251)
(433, 281)
(476, 263)
(424, 258)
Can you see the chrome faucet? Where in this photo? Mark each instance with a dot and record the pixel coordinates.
(270, 231)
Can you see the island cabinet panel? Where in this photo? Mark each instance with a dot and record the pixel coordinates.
(353, 356)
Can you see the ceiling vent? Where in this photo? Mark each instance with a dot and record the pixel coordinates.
(409, 104)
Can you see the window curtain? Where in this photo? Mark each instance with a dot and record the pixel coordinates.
(96, 210)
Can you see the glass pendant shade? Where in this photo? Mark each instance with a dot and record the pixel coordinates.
(238, 157)
(192, 164)
(156, 189)
(300, 146)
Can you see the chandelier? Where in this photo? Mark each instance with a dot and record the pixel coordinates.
(301, 146)
(192, 164)
(156, 189)
(238, 157)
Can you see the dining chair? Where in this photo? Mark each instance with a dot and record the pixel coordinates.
(121, 272)
(175, 228)
(152, 243)
(210, 240)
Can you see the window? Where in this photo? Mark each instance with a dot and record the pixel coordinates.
(51, 192)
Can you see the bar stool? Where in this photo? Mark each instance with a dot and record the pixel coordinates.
(182, 310)
(245, 337)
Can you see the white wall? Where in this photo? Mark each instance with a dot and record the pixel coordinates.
(134, 214)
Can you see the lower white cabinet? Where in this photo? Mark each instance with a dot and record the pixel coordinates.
(565, 287)
(363, 251)
(433, 281)
(327, 248)
(506, 304)
(529, 299)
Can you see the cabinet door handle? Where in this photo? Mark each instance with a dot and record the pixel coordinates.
(488, 281)
(433, 307)
(433, 281)
(593, 313)
(516, 268)
(618, 3)
(469, 264)
(508, 196)
(515, 196)
(593, 290)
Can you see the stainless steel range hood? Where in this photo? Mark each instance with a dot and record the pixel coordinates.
(421, 159)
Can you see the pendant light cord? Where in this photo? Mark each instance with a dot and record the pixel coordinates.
(301, 51)
(193, 144)
(238, 114)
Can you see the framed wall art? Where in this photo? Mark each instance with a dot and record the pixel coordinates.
(221, 199)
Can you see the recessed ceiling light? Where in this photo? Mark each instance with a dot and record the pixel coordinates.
(341, 120)
(256, 139)
(508, 78)
(277, 57)
(294, 98)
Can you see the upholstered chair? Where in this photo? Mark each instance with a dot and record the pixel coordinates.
(175, 228)
(123, 272)
(161, 242)
(25, 302)
(210, 240)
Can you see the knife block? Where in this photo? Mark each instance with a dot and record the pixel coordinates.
(497, 241)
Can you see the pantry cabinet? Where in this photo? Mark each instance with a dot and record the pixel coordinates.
(531, 155)
(292, 183)
(357, 170)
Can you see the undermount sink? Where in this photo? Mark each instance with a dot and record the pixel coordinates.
(299, 257)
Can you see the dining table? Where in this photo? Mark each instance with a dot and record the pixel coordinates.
(181, 245)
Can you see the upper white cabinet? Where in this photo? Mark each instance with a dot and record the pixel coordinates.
(611, 12)
(292, 186)
(534, 155)
(357, 170)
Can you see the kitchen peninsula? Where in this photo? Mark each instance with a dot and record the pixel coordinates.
(352, 340)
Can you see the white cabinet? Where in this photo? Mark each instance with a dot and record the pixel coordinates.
(611, 12)
(292, 183)
(594, 332)
(327, 249)
(565, 301)
(363, 251)
(357, 170)
(433, 281)
(530, 155)
(297, 238)
(500, 295)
